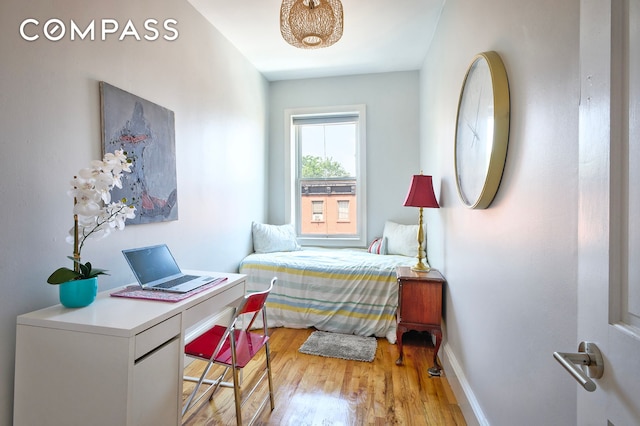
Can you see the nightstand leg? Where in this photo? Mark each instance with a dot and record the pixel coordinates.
(399, 334)
(435, 370)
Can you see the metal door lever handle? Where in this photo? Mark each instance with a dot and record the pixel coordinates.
(589, 356)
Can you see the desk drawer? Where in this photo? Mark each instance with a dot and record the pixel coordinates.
(157, 335)
(212, 305)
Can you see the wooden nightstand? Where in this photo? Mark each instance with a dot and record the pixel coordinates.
(420, 307)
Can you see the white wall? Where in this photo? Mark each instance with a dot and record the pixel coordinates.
(50, 121)
(392, 102)
(511, 269)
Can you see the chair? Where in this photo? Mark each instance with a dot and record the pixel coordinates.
(233, 347)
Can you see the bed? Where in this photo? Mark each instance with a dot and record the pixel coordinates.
(350, 291)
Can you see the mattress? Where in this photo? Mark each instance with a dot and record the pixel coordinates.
(346, 291)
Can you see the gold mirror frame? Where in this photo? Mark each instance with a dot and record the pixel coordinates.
(501, 112)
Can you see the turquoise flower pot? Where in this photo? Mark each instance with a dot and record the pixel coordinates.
(78, 293)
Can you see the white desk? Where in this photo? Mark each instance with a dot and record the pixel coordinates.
(117, 361)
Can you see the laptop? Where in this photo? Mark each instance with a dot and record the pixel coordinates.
(156, 269)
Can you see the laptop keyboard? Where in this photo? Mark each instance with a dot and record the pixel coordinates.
(176, 281)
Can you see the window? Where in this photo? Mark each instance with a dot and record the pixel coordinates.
(343, 211)
(317, 209)
(326, 175)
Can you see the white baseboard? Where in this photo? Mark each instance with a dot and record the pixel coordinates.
(464, 394)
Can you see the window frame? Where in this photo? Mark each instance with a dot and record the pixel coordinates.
(292, 158)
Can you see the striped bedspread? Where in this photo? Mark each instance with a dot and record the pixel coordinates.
(346, 291)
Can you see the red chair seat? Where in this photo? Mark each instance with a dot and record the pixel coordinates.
(247, 345)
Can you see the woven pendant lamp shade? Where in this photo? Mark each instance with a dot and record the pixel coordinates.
(311, 24)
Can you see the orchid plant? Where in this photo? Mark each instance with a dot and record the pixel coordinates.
(94, 214)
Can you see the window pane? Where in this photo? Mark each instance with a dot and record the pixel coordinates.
(317, 207)
(327, 170)
(328, 150)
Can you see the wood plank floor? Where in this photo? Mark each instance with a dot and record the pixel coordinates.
(314, 390)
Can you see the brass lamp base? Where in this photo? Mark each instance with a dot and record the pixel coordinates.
(420, 267)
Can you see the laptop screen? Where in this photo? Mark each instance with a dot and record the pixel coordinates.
(151, 263)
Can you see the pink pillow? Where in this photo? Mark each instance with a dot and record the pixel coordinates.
(378, 246)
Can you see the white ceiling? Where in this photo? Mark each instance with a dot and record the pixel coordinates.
(379, 36)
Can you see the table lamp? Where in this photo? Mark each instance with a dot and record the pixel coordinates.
(421, 195)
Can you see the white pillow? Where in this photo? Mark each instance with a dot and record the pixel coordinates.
(401, 239)
(270, 238)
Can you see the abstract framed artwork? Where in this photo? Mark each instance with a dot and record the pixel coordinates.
(146, 131)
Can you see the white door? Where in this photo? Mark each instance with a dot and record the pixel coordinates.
(609, 215)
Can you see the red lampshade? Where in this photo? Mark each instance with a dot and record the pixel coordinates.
(421, 193)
